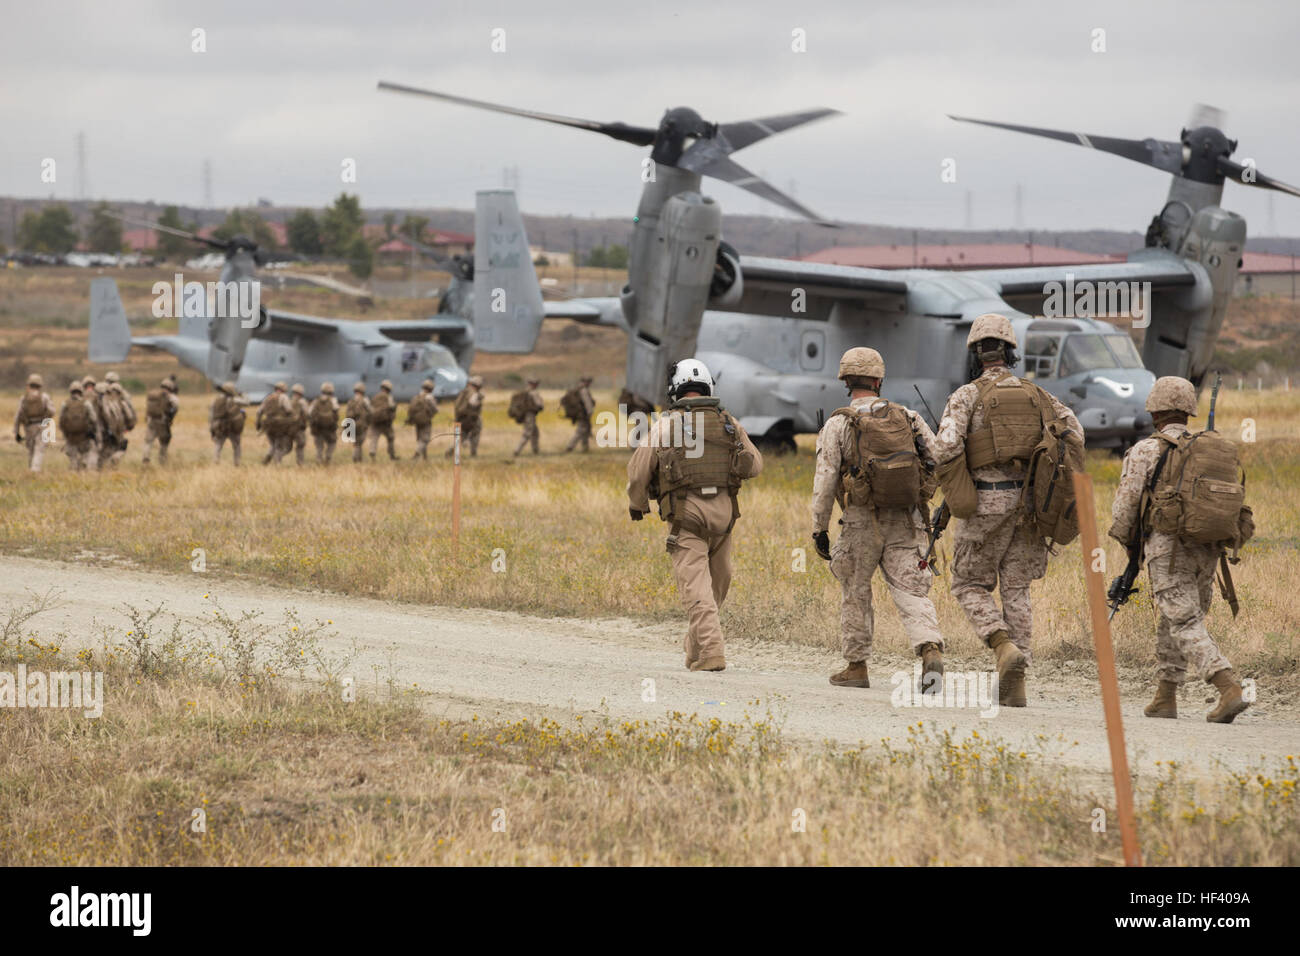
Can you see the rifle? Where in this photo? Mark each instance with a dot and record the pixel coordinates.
(1214, 400)
(939, 520)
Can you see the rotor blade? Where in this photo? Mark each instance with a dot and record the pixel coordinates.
(1161, 154)
(638, 135)
(1238, 173)
(747, 132)
(729, 171)
(192, 236)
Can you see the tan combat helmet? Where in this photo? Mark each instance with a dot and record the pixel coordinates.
(167, 383)
(476, 381)
(1172, 394)
(115, 388)
(112, 378)
(75, 388)
(298, 389)
(281, 387)
(88, 381)
(990, 325)
(35, 381)
(534, 382)
(386, 385)
(586, 380)
(359, 387)
(228, 388)
(327, 388)
(861, 363)
(427, 385)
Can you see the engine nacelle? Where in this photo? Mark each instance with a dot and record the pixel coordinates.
(728, 284)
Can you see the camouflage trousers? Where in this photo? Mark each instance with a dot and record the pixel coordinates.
(325, 442)
(581, 435)
(387, 432)
(1182, 584)
(35, 442)
(300, 446)
(531, 435)
(158, 432)
(82, 455)
(998, 551)
(277, 447)
(702, 567)
(218, 442)
(423, 435)
(358, 444)
(470, 430)
(892, 542)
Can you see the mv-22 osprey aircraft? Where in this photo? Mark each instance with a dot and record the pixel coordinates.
(269, 344)
(689, 293)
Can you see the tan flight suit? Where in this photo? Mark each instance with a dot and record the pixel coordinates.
(325, 437)
(999, 547)
(701, 556)
(531, 435)
(281, 444)
(471, 420)
(423, 433)
(1181, 572)
(381, 423)
(891, 539)
(359, 411)
(159, 429)
(301, 406)
(223, 425)
(29, 425)
(83, 453)
(582, 427)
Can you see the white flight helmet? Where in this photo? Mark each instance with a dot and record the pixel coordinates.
(686, 373)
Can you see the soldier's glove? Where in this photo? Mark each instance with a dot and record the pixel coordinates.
(635, 515)
(822, 542)
(18, 437)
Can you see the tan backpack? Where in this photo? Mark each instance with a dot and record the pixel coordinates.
(462, 409)
(324, 415)
(1200, 492)
(74, 420)
(519, 407)
(421, 410)
(881, 466)
(33, 408)
(155, 404)
(382, 409)
(571, 405)
(280, 417)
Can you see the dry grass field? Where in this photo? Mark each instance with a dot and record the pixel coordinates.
(293, 776)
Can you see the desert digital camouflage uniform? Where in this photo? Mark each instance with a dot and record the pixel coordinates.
(701, 555)
(158, 428)
(298, 398)
(277, 418)
(423, 403)
(891, 539)
(35, 408)
(226, 421)
(126, 410)
(533, 405)
(999, 547)
(82, 450)
(112, 425)
(359, 412)
(383, 412)
(323, 413)
(469, 414)
(582, 425)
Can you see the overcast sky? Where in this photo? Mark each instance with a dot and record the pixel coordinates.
(286, 91)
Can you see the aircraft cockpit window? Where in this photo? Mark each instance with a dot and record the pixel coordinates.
(435, 358)
(1126, 353)
(1085, 352)
(1040, 355)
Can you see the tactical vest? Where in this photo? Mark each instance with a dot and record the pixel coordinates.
(155, 404)
(1200, 491)
(324, 415)
(33, 407)
(707, 428)
(880, 467)
(74, 421)
(1013, 422)
(382, 409)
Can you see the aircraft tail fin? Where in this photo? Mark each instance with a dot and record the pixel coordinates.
(110, 336)
(508, 306)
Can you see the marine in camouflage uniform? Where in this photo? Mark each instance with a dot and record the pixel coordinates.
(999, 547)
(35, 408)
(891, 539)
(158, 427)
(298, 399)
(421, 404)
(126, 411)
(533, 405)
(469, 414)
(383, 411)
(358, 412)
(82, 450)
(1181, 572)
(276, 417)
(225, 421)
(700, 540)
(582, 424)
(324, 408)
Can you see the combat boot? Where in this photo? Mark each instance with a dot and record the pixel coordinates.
(709, 664)
(931, 667)
(1230, 700)
(1166, 702)
(855, 675)
(1011, 670)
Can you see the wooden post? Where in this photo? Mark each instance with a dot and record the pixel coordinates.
(455, 492)
(1096, 583)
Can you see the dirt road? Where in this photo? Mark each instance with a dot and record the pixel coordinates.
(490, 662)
